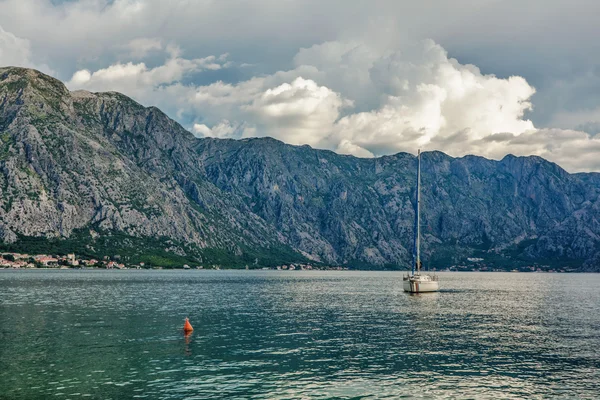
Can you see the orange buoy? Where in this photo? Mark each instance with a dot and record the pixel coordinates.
(187, 327)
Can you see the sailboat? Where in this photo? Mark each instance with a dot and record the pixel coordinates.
(416, 282)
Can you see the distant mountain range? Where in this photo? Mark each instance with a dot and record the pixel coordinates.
(99, 174)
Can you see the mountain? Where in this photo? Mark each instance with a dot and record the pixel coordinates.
(99, 174)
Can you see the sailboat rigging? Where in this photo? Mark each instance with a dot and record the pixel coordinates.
(416, 282)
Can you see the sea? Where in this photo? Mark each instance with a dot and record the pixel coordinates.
(102, 334)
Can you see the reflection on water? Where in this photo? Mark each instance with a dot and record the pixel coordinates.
(275, 334)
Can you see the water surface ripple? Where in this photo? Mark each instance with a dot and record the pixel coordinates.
(277, 334)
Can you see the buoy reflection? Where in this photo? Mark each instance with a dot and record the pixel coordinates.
(187, 338)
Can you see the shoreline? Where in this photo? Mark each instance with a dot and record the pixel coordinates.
(284, 271)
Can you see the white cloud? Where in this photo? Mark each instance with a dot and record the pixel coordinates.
(222, 130)
(202, 130)
(424, 100)
(355, 99)
(16, 52)
(428, 97)
(81, 78)
(138, 79)
(300, 112)
(347, 147)
(13, 50)
(344, 67)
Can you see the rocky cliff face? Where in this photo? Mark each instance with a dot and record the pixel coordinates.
(347, 209)
(102, 164)
(91, 166)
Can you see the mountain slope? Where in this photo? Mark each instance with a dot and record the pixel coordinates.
(104, 164)
(101, 172)
(518, 207)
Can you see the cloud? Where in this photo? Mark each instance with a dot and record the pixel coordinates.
(344, 67)
(202, 130)
(223, 130)
(425, 99)
(140, 47)
(428, 98)
(587, 120)
(591, 127)
(356, 100)
(138, 78)
(347, 147)
(16, 51)
(417, 97)
(573, 150)
(362, 82)
(544, 45)
(299, 112)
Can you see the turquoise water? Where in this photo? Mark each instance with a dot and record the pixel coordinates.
(276, 334)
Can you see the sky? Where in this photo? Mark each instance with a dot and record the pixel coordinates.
(367, 78)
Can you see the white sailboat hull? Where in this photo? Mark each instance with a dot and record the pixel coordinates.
(420, 284)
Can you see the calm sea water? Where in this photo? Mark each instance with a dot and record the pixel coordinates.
(275, 334)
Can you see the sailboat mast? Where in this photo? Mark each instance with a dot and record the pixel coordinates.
(418, 240)
(417, 248)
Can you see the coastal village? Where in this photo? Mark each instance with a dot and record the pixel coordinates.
(20, 260)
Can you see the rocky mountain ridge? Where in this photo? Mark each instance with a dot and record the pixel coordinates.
(100, 172)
